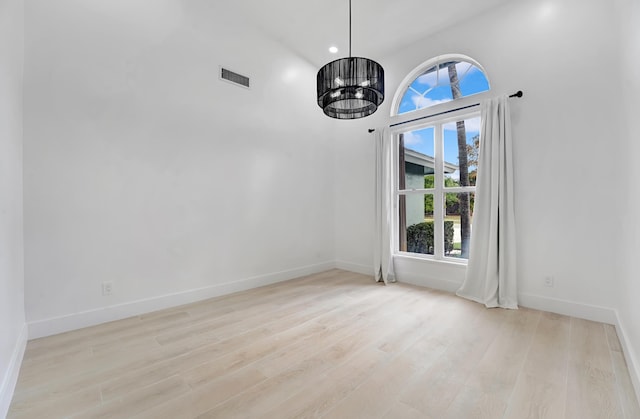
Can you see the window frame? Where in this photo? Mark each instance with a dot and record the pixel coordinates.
(439, 191)
(435, 116)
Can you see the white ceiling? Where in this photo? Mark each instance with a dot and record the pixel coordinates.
(309, 27)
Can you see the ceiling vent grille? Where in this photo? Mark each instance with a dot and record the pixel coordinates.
(235, 78)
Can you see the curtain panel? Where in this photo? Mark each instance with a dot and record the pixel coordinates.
(384, 193)
(491, 271)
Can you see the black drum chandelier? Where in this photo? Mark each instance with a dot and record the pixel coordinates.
(350, 88)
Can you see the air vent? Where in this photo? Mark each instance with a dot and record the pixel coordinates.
(234, 77)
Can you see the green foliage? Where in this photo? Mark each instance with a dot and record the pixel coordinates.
(448, 237)
(451, 199)
(450, 182)
(420, 238)
(473, 151)
(429, 182)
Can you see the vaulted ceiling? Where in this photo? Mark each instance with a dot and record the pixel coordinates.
(310, 27)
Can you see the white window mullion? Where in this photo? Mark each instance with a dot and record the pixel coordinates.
(438, 196)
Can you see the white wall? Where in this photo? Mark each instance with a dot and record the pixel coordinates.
(12, 319)
(568, 151)
(142, 168)
(629, 286)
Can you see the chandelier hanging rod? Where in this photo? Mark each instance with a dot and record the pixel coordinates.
(349, 28)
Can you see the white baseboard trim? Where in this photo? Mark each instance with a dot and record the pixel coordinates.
(354, 267)
(568, 308)
(55, 325)
(8, 384)
(406, 274)
(629, 354)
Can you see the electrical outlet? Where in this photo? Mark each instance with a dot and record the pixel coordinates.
(548, 281)
(107, 288)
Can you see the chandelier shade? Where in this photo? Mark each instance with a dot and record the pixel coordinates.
(350, 88)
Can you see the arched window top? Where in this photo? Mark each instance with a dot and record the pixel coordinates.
(440, 80)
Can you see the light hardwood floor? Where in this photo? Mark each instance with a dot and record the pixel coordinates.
(332, 345)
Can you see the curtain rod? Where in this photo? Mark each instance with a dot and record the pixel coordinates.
(516, 94)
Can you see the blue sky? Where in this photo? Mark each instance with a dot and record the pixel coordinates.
(432, 88)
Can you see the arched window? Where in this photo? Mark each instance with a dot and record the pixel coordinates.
(441, 80)
(437, 158)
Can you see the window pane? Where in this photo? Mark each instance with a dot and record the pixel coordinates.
(435, 85)
(416, 158)
(458, 210)
(461, 145)
(416, 223)
(473, 81)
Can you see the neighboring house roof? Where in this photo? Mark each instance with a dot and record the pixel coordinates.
(425, 161)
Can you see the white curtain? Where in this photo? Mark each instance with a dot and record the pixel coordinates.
(382, 254)
(491, 271)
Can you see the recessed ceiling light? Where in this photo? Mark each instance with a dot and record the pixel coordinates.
(333, 50)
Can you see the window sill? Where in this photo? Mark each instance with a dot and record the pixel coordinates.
(448, 262)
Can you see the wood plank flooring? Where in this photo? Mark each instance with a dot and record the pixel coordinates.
(332, 345)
